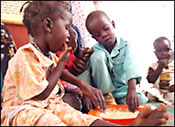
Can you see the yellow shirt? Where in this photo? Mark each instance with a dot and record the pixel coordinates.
(26, 78)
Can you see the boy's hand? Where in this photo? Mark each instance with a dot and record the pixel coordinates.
(164, 61)
(171, 88)
(132, 101)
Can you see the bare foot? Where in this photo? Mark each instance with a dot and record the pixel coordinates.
(149, 117)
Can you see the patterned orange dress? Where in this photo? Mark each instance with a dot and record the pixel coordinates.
(26, 78)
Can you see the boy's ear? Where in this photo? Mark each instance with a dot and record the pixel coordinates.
(47, 24)
(113, 23)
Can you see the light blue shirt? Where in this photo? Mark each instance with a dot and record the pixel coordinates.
(121, 65)
(111, 72)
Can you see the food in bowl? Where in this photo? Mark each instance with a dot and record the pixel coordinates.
(118, 114)
(112, 111)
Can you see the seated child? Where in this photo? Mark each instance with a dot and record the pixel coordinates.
(161, 73)
(73, 94)
(32, 81)
(8, 48)
(112, 65)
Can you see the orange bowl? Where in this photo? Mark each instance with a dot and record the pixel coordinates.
(126, 121)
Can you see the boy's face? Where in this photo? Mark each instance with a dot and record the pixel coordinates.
(60, 32)
(163, 50)
(102, 30)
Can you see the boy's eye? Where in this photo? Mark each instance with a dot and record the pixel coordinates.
(67, 28)
(96, 35)
(106, 28)
(163, 50)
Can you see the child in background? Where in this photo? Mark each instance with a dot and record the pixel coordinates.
(112, 65)
(161, 73)
(32, 80)
(76, 65)
(8, 48)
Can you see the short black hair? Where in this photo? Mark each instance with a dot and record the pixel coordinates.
(160, 39)
(36, 11)
(93, 15)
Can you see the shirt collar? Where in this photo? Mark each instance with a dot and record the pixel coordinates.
(115, 51)
(45, 61)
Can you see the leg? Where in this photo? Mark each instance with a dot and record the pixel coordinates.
(32, 117)
(148, 117)
(101, 77)
(142, 98)
(73, 100)
(70, 116)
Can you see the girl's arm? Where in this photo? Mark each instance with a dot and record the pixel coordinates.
(55, 75)
(94, 94)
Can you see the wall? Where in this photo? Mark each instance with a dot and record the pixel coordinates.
(12, 18)
(19, 33)
(141, 22)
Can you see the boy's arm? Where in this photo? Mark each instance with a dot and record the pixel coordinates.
(132, 98)
(154, 74)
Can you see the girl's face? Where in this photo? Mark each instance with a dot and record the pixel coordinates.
(72, 39)
(60, 32)
(163, 50)
(102, 30)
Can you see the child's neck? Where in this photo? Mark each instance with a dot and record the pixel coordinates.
(39, 49)
(109, 48)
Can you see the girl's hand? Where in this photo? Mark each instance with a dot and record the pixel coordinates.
(95, 95)
(87, 104)
(84, 53)
(65, 55)
(78, 66)
(80, 63)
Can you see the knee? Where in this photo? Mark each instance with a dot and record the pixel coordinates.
(73, 100)
(98, 57)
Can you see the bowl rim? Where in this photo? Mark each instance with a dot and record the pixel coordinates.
(96, 112)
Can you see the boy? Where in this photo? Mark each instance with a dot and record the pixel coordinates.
(112, 65)
(161, 73)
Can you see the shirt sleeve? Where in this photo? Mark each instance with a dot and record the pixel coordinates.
(130, 65)
(29, 74)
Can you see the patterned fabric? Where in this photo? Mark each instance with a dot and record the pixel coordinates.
(26, 78)
(167, 74)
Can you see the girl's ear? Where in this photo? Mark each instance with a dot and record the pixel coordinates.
(47, 24)
(113, 23)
